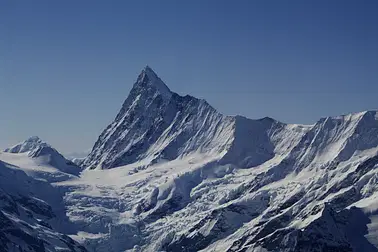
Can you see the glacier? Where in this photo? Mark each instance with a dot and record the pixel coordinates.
(171, 173)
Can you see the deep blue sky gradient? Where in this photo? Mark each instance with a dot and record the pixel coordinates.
(67, 66)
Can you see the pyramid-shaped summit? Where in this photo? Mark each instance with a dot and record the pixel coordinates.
(148, 79)
(149, 125)
(153, 123)
(156, 124)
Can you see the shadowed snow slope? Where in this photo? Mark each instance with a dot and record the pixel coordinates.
(27, 220)
(187, 178)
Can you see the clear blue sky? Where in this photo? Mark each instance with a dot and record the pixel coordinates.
(67, 66)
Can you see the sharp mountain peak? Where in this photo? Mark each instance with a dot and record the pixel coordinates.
(148, 79)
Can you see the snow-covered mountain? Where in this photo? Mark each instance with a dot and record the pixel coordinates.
(28, 145)
(170, 173)
(155, 124)
(43, 154)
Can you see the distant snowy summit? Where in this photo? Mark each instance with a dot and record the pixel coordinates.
(36, 148)
(28, 145)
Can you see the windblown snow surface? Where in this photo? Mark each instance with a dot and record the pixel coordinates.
(170, 173)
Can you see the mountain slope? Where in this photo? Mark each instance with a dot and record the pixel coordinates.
(28, 222)
(317, 193)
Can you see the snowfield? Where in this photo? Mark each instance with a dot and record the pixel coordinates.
(170, 173)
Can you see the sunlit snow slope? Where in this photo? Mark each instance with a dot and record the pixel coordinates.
(170, 173)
